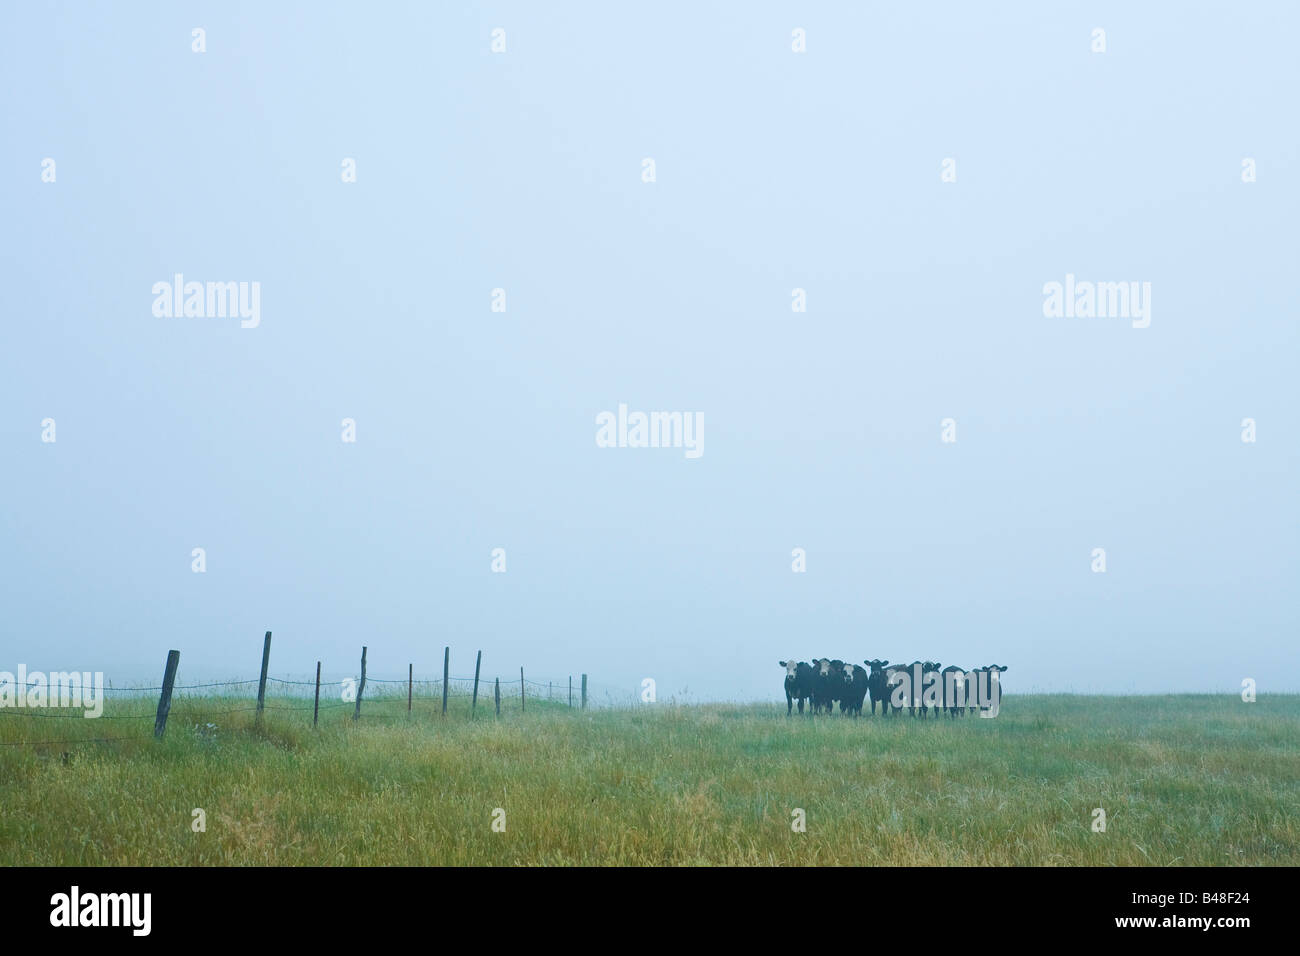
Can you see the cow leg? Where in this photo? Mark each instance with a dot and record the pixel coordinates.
(789, 704)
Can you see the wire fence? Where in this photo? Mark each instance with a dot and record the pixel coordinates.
(199, 704)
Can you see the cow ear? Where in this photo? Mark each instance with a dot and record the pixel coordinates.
(883, 663)
(782, 663)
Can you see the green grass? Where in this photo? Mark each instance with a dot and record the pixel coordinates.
(1187, 780)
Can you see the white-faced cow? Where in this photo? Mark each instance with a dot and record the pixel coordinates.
(896, 676)
(798, 684)
(854, 689)
(825, 689)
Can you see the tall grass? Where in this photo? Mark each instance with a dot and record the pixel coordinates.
(1190, 780)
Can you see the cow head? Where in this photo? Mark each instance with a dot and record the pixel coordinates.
(790, 667)
(877, 666)
(823, 667)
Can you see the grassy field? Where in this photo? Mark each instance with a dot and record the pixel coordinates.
(1187, 780)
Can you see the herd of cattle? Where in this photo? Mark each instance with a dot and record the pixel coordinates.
(955, 690)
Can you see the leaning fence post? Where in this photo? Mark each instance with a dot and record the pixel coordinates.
(584, 691)
(315, 711)
(474, 700)
(362, 686)
(498, 696)
(261, 683)
(521, 690)
(446, 664)
(410, 685)
(165, 698)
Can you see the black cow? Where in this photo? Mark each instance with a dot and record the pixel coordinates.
(798, 684)
(824, 691)
(877, 686)
(837, 683)
(854, 689)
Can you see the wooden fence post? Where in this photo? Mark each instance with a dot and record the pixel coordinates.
(570, 690)
(315, 711)
(474, 700)
(521, 690)
(446, 666)
(362, 687)
(261, 683)
(165, 698)
(584, 691)
(410, 685)
(498, 696)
